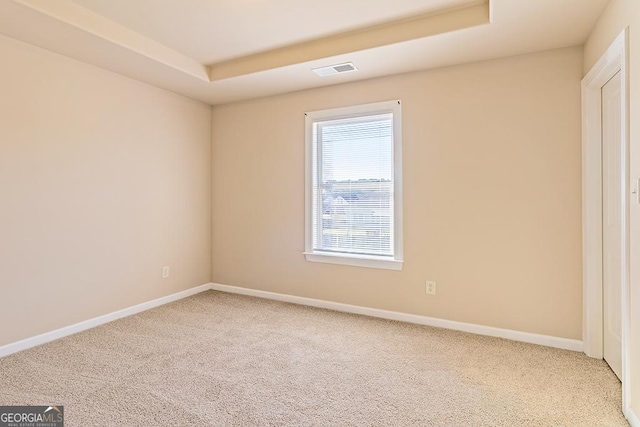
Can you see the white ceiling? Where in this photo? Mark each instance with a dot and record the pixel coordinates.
(216, 30)
(228, 50)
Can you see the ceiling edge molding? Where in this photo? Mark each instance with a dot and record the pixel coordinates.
(397, 31)
(83, 19)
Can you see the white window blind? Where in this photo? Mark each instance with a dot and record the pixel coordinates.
(353, 185)
(353, 196)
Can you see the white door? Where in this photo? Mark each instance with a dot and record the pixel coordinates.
(612, 220)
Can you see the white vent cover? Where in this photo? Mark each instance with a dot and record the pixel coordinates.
(335, 69)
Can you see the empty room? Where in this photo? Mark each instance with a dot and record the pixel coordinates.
(338, 213)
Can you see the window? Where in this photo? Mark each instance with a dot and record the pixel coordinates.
(354, 186)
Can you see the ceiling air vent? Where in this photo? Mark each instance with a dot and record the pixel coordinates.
(335, 69)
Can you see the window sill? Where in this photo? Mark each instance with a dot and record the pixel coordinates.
(367, 261)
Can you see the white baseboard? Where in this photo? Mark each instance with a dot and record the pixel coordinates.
(8, 349)
(545, 340)
(633, 419)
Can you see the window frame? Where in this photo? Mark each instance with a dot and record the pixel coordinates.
(371, 261)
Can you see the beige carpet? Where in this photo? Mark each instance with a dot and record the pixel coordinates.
(218, 359)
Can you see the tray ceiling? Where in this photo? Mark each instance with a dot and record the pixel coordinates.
(228, 50)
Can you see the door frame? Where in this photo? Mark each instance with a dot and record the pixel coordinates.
(614, 60)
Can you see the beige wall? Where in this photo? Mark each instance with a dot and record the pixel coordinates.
(492, 195)
(103, 180)
(619, 15)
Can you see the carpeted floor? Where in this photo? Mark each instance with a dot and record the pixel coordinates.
(218, 359)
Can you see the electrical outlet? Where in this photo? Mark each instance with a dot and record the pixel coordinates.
(165, 271)
(430, 287)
